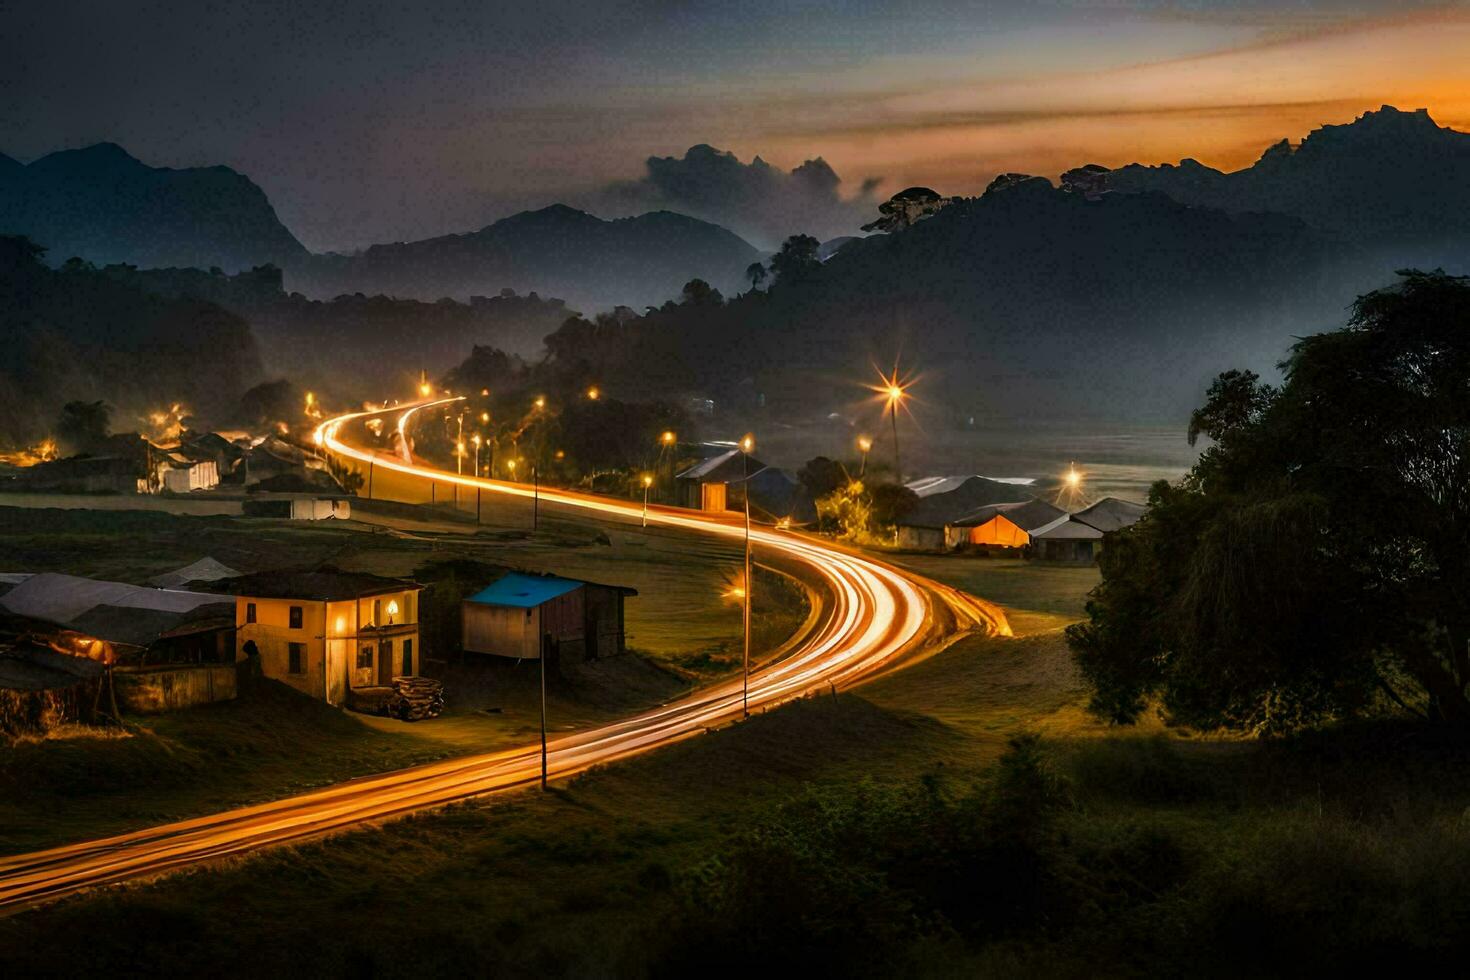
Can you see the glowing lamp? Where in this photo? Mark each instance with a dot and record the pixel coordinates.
(747, 445)
(647, 480)
(667, 438)
(864, 443)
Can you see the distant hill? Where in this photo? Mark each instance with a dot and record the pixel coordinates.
(1387, 177)
(592, 263)
(357, 345)
(1029, 301)
(101, 204)
(76, 333)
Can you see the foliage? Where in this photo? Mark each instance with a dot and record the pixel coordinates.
(348, 477)
(846, 512)
(697, 292)
(892, 502)
(756, 273)
(821, 476)
(842, 880)
(1317, 558)
(797, 259)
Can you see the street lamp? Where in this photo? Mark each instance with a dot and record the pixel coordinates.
(476, 440)
(864, 444)
(540, 402)
(667, 442)
(459, 446)
(747, 445)
(647, 482)
(593, 393)
(425, 389)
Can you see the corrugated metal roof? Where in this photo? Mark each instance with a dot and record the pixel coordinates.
(1111, 513)
(1025, 514)
(524, 591)
(61, 598)
(1065, 528)
(724, 468)
(204, 570)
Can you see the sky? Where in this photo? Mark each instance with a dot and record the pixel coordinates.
(369, 120)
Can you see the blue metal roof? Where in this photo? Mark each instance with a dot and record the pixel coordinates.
(524, 591)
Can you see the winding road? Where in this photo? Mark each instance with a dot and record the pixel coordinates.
(872, 614)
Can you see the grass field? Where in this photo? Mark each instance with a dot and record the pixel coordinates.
(1150, 851)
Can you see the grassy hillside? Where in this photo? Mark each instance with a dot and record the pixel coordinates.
(896, 828)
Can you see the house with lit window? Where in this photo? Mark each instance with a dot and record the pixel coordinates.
(327, 632)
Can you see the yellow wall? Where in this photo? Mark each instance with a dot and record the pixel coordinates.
(331, 635)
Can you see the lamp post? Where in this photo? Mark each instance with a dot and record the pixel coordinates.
(647, 482)
(535, 496)
(459, 446)
(895, 398)
(477, 440)
(864, 444)
(667, 443)
(747, 444)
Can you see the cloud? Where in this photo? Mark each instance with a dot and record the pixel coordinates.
(761, 203)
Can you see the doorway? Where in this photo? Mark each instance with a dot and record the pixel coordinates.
(385, 663)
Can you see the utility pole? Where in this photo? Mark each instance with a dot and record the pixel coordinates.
(746, 445)
(647, 482)
(535, 497)
(542, 640)
(897, 466)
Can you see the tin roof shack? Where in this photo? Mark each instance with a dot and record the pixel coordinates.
(519, 613)
(325, 632)
(719, 484)
(1080, 536)
(165, 648)
(707, 485)
(924, 527)
(1001, 528)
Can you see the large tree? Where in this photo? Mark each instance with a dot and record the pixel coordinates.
(1317, 558)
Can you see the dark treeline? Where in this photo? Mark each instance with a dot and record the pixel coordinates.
(78, 334)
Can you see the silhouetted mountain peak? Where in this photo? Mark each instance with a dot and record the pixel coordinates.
(1275, 153)
(97, 160)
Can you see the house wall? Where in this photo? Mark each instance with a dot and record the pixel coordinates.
(332, 635)
(925, 538)
(505, 631)
(150, 690)
(272, 634)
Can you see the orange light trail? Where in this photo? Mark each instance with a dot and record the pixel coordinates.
(872, 614)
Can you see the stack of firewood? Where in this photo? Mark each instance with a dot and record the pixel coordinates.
(415, 698)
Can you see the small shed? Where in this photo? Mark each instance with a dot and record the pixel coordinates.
(707, 485)
(1002, 525)
(519, 613)
(925, 526)
(1066, 539)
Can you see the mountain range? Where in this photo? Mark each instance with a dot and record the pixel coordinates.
(591, 263)
(1119, 292)
(103, 205)
(1388, 177)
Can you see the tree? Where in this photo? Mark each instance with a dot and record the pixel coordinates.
(821, 476)
(83, 426)
(797, 258)
(892, 502)
(697, 292)
(1315, 563)
(756, 273)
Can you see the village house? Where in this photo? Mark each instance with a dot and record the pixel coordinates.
(717, 484)
(1001, 527)
(162, 648)
(519, 614)
(327, 632)
(1079, 537)
(945, 500)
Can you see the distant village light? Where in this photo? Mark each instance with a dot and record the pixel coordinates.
(668, 437)
(593, 393)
